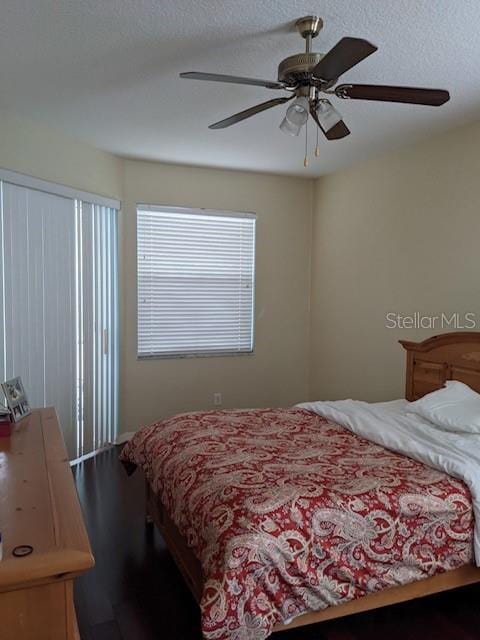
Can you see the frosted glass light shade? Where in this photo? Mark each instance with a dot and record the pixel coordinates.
(289, 128)
(297, 112)
(328, 116)
(296, 117)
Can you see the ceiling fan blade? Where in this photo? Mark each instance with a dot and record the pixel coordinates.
(218, 77)
(339, 131)
(345, 54)
(247, 113)
(409, 95)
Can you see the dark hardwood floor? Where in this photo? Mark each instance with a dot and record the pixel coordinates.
(136, 593)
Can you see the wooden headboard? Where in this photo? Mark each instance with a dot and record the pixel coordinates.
(450, 356)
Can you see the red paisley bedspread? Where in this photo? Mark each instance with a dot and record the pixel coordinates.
(289, 512)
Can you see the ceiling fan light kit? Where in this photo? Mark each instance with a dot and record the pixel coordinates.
(310, 78)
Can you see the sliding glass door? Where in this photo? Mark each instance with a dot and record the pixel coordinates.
(59, 309)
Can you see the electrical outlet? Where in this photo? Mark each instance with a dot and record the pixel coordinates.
(217, 399)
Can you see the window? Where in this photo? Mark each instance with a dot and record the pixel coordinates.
(195, 282)
(58, 305)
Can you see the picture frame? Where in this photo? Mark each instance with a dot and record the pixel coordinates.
(16, 398)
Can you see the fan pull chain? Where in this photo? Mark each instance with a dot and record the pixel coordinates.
(305, 160)
(317, 148)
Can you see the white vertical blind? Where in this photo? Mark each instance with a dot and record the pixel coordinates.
(97, 321)
(58, 309)
(195, 282)
(38, 240)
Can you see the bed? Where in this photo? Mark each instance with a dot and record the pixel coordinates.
(207, 476)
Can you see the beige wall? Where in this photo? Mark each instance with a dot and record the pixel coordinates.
(276, 374)
(39, 151)
(398, 233)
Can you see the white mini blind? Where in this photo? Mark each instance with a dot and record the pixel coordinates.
(196, 272)
(59, 308)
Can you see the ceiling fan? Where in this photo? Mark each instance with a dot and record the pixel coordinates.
(310, 78)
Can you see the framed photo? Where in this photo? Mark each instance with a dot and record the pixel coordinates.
(16, 398)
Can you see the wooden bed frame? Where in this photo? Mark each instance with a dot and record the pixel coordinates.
(451, 356)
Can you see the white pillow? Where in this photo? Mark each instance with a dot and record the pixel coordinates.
(456, 407)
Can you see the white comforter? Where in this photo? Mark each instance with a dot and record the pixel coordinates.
(391, 425)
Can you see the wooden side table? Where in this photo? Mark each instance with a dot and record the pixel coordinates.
(39, 507)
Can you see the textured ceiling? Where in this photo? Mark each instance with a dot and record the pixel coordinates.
(107, 71)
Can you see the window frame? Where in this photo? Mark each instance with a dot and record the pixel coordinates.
(140, 206)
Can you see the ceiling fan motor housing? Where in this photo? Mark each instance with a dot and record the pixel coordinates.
(298, 68)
